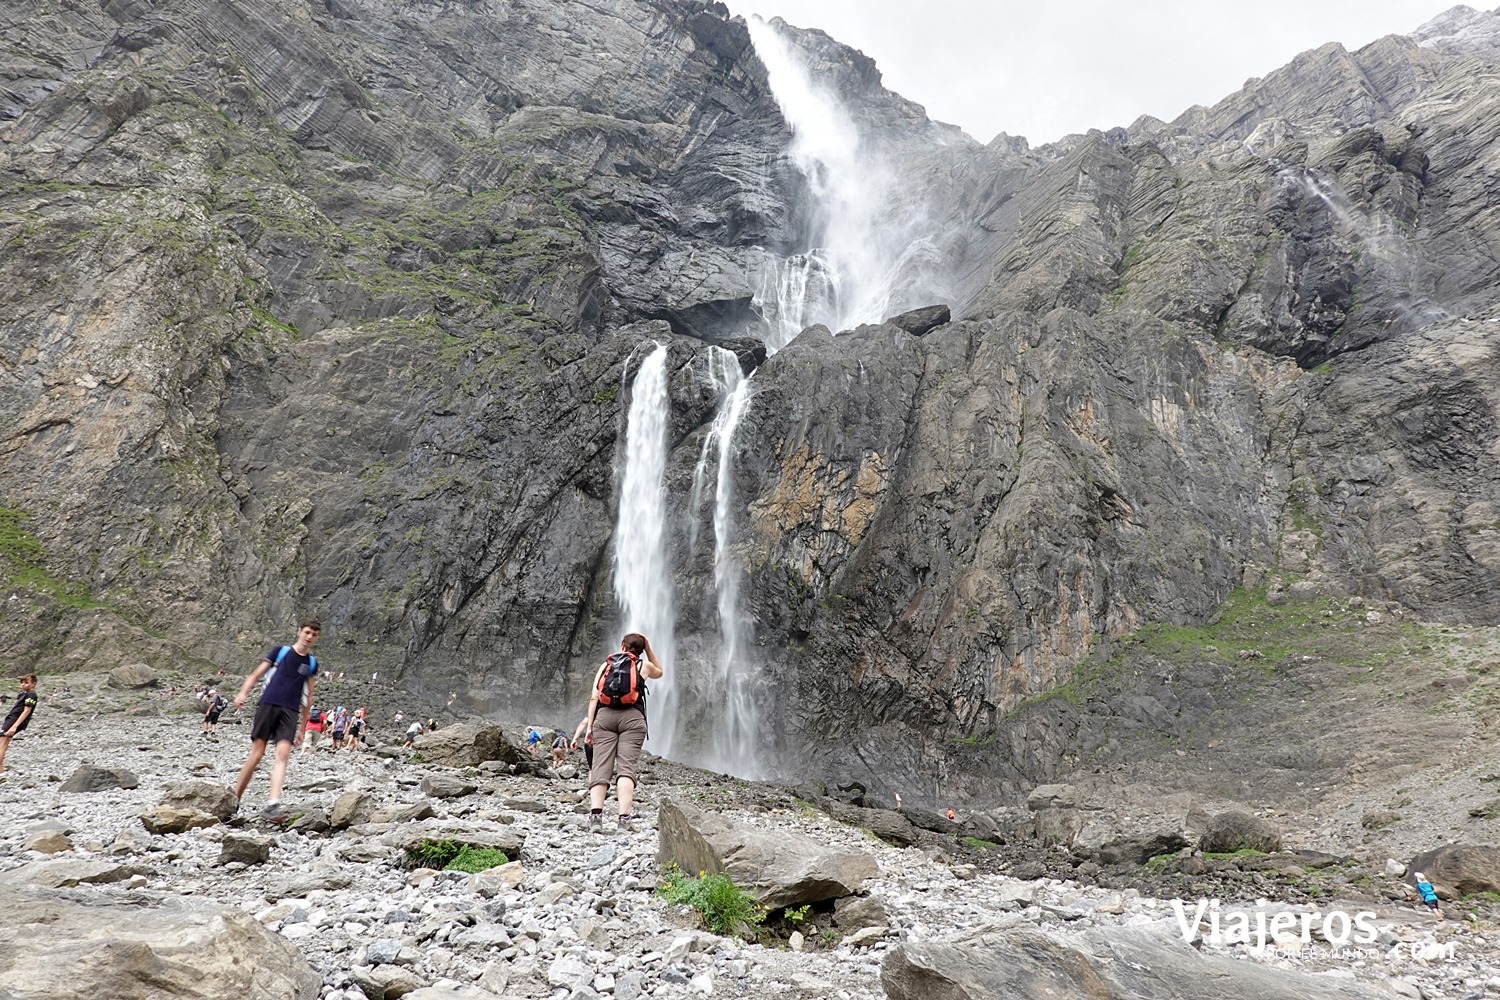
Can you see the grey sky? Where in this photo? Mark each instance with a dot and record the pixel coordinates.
(1045, 70)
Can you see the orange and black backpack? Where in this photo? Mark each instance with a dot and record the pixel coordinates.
(620, 683)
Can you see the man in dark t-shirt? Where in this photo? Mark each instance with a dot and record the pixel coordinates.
(20, 715)
(281, 716)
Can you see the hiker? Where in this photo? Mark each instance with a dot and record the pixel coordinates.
(412, 732)
(281, 716)
(559, 749)
(340, 723)
(356, 730)
(20, 715)
(315, 718)
(588, 741)
(216, 706)
(1427, 893)
(617, 726)
(533, 739)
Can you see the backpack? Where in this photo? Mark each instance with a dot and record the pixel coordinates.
(219, 703)
(620, 683)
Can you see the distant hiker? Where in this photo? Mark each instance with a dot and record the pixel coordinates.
(340, 724)
(588, 741)
(559, 749)
(20, 715)
(1428, 893)
(356, 730)
(216, 706)
(533, 739)
(617, 726)
(412, 732)
(951, 815)
(281, 716)
(315, 718)
(898, 800)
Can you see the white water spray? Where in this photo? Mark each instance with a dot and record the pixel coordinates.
(737, 730)
(643, 579)
(849, 277)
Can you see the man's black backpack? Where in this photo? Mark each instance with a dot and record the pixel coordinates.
(620, 684)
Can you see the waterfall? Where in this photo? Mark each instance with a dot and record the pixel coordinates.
(736, 733)
(642, 572)
(862, 253)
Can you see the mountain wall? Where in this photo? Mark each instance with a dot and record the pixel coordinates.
(325, 307)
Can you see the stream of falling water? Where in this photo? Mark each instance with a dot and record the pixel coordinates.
(642, 573)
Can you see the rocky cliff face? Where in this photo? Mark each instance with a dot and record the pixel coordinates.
(326, 307)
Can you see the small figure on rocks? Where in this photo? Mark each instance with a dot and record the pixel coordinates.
(1427, 893)
(315, 717)
(588, 741)
(951, 815)
(20, 715)
(617, 726)
(533, 739)
(340, 725)
(898, 800)
(216, 706)
(281, 717)
(559, 749)
(356, 730)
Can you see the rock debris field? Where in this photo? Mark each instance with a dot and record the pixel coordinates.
(216, 904)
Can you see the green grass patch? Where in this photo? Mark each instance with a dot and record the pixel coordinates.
(979, 843)
(450, 855)
(22, 564)
(724, 906)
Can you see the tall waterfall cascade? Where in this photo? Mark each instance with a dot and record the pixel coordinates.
(642, 572)
(866, 251)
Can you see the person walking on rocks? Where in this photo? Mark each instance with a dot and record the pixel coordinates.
(19, 716)
(559, 749)
(588, 742)
(281, 717)
(617, 726)
(1427, 893)
(216, 706)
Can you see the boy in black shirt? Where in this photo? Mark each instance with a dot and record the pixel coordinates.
(20, 715)
(281, 718)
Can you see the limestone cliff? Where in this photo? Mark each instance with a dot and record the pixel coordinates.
(324, 306)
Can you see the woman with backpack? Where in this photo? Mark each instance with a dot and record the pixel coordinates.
(617, 726)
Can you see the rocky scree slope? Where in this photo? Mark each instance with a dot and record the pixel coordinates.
(323, 307)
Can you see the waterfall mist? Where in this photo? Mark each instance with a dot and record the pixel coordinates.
(871, 253)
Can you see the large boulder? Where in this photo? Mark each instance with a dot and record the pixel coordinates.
(1111, 841)
(779, 868)
(132, 675)
(1234, 831)
(92, 778)
(65, 872)
(65, 943)
(203, 796)
(887, 824)
(1457, 870)
(468, 744)
(1101, 963)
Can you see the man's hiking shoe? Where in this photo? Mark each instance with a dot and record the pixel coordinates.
(625, 823)
(596, 823)
(274, 811)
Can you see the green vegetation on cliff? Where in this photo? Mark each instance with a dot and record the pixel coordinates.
(23, 563)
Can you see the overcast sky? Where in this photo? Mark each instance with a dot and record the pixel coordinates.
(1045, 70)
